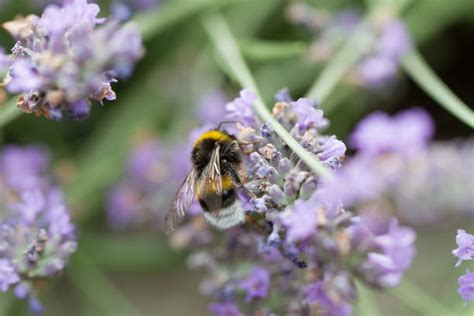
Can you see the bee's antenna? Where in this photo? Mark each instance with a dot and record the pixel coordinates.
(226, 122)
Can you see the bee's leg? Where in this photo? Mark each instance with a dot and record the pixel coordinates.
(236, 179)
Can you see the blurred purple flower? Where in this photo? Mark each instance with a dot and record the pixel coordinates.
(8, 275)
(394, 41)
(32, 202)
(224, 309)
(22, 168)
(23, 77)
(300, 220)
(466, 286)
(283, 95)
(318, 293)
(406, 132)
(355, 181)
(465, 250)
(36, 232)
(241, 109)
(154, 172)
(377, 70)
(394, 251)
(257, 284)
(59, 62)
(382, 65)
(210, 108)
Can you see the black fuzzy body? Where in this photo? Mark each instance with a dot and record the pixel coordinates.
(230, 161)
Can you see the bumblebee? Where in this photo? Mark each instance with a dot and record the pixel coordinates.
(215, 180)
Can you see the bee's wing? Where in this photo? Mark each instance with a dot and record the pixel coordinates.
(212, 174)
(209, 184)
(181, 202)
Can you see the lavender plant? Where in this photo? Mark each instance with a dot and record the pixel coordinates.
(465, 252)
(36, 233)
(297, 252)
(68, 58)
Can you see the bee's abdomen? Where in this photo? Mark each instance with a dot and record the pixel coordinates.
(212, 201)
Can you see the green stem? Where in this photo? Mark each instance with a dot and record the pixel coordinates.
(357, 44)
(365, 304)
(96, 288)
(227, 48)
(417, 299)
(424, 76)
(9, 112)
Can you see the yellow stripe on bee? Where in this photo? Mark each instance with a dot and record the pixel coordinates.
(208, 188)
(213, 135)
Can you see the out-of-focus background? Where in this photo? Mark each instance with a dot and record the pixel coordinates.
(286, 44)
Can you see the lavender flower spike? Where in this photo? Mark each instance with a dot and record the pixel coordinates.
(36, 232)
(466, 286)
(60, 63)
(465, 250)
(297, 243)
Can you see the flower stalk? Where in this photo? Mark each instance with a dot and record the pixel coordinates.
(417, 68)
(227, 48)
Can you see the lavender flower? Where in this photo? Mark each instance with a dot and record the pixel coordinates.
(240, 109)
(395, 254)
(152, 177)
(224, 309)
(257, 284)
(465, 250)
(381, 66)
(209, 108)
(320, 294)
(292, 225)
(466, 286)
(8, 275)
(60, 62)
(300, 221)
(36, 232)
(405, 132)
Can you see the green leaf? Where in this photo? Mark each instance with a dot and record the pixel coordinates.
(418, 300)
(97, 288)
(416, 67)
(261, 50)
(226, 46)
(9, 112)
(130, 252)
(365, 302)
